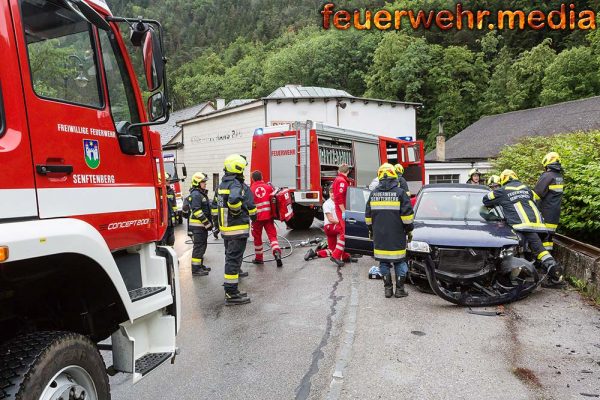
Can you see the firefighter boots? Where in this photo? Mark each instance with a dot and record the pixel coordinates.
(278, 259)
(199, 271)
(243, 274)
(235, 298)
(388, 286)
(310, 254)
(257, 261)
(400, 292)
(205, 268)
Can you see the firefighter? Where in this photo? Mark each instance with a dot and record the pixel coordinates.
(234, 207)
(493, 182)
(264, 219)
(338, 193)
(197, 208)
(169, 236)
(401, 181)
(331, 226)
(548, 192)
(521, 213)
(389, 216)
(474, 177)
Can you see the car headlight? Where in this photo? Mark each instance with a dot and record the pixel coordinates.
(419, 247)
(508, 252)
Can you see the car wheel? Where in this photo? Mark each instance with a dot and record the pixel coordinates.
(52, 365)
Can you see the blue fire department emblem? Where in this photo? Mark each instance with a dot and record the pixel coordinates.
(91, 152)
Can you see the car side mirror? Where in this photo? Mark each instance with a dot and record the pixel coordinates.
(184, 172)
(156, 106)
(129, 144)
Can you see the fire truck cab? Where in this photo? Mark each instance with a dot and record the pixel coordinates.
(305, 157)
(81, 203)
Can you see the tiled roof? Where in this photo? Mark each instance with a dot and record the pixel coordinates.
(169, 130)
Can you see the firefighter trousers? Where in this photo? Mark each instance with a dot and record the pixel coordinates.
(169, 237)
(533, 241)
(257, 229)
(338, 250)
(234, 254)
(547, 240)
(331, 231)
(199, 238)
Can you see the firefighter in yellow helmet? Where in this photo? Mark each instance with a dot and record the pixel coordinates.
(521, 213)
(401, 181)
(169, 236)
(389, 216)
(493, 182)
(197, 207)
(548, 192)
(474, 177)
(234, 208)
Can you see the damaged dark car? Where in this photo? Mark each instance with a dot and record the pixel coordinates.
(464, 252)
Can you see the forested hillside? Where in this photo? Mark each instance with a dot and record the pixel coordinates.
(247, 48)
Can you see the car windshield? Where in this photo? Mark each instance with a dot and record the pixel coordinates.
(451, 206)
(357, 199)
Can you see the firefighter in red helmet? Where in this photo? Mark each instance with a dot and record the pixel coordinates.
(262, 192)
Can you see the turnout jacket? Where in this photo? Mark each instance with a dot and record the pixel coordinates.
(549, 191)
(198, 206)
(403, 185)
(520, 212)
(234, 207)
(261, 193)
(391, 216)
(171, 205)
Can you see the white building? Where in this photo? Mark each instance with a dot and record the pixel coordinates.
(205, 140)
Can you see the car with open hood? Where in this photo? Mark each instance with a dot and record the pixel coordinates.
(465, 251)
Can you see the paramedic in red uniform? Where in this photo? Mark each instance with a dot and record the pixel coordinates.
(264, 219)
(338, 193)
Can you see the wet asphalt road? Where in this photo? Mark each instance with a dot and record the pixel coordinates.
(314, 331)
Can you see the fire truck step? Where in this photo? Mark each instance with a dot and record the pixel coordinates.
(148, 362)
(143, 292)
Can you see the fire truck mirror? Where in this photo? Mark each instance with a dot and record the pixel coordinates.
(129, 143)
(156, 106)
(183, 172)
(153, 60)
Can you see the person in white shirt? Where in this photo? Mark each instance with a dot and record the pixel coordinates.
(332, 230)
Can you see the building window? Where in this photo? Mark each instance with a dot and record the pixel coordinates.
(449, 178)
(215, 182)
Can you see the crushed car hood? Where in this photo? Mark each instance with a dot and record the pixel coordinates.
(464, 234)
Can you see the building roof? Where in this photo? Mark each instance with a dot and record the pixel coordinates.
(487, 137)
(298, 92)
(169, 130)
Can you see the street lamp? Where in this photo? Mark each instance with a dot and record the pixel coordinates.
(80, 80)
(339, 104)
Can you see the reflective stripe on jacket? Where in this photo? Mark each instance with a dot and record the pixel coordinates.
(549, 192)
(261, 193)
(234, 207)
(391, 215)
(199, 209)
(520, 212)
(171, 204)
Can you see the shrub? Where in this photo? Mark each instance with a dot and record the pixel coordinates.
(580, 157)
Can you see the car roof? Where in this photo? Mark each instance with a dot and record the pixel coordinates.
(454, 187)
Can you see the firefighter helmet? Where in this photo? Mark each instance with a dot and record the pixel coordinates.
(493, 180)
(198, 178)
(235, 164)
(474, 171)
(550, 158)
(507, 175)
(386, 170)
(399, 169)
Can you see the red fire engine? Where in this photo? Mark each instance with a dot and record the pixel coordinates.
(81, 205)
(171, 168)
(305, 159)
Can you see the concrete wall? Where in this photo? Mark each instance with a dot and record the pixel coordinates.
(210, 140)
(384, 119)
(580, 266)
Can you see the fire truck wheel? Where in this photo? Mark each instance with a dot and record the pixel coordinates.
(302, 219)
(52, 365)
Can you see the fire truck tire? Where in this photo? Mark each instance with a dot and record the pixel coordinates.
(302, 219)
(49, 365)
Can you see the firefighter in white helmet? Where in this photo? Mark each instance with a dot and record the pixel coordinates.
(474, 177)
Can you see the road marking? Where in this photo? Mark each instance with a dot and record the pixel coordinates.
(345, 354)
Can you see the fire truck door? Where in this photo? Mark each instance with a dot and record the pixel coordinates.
(78, 92)
(17, 188)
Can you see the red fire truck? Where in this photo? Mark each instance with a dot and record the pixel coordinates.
(81, 205)
(171, 168)
(305, 158)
